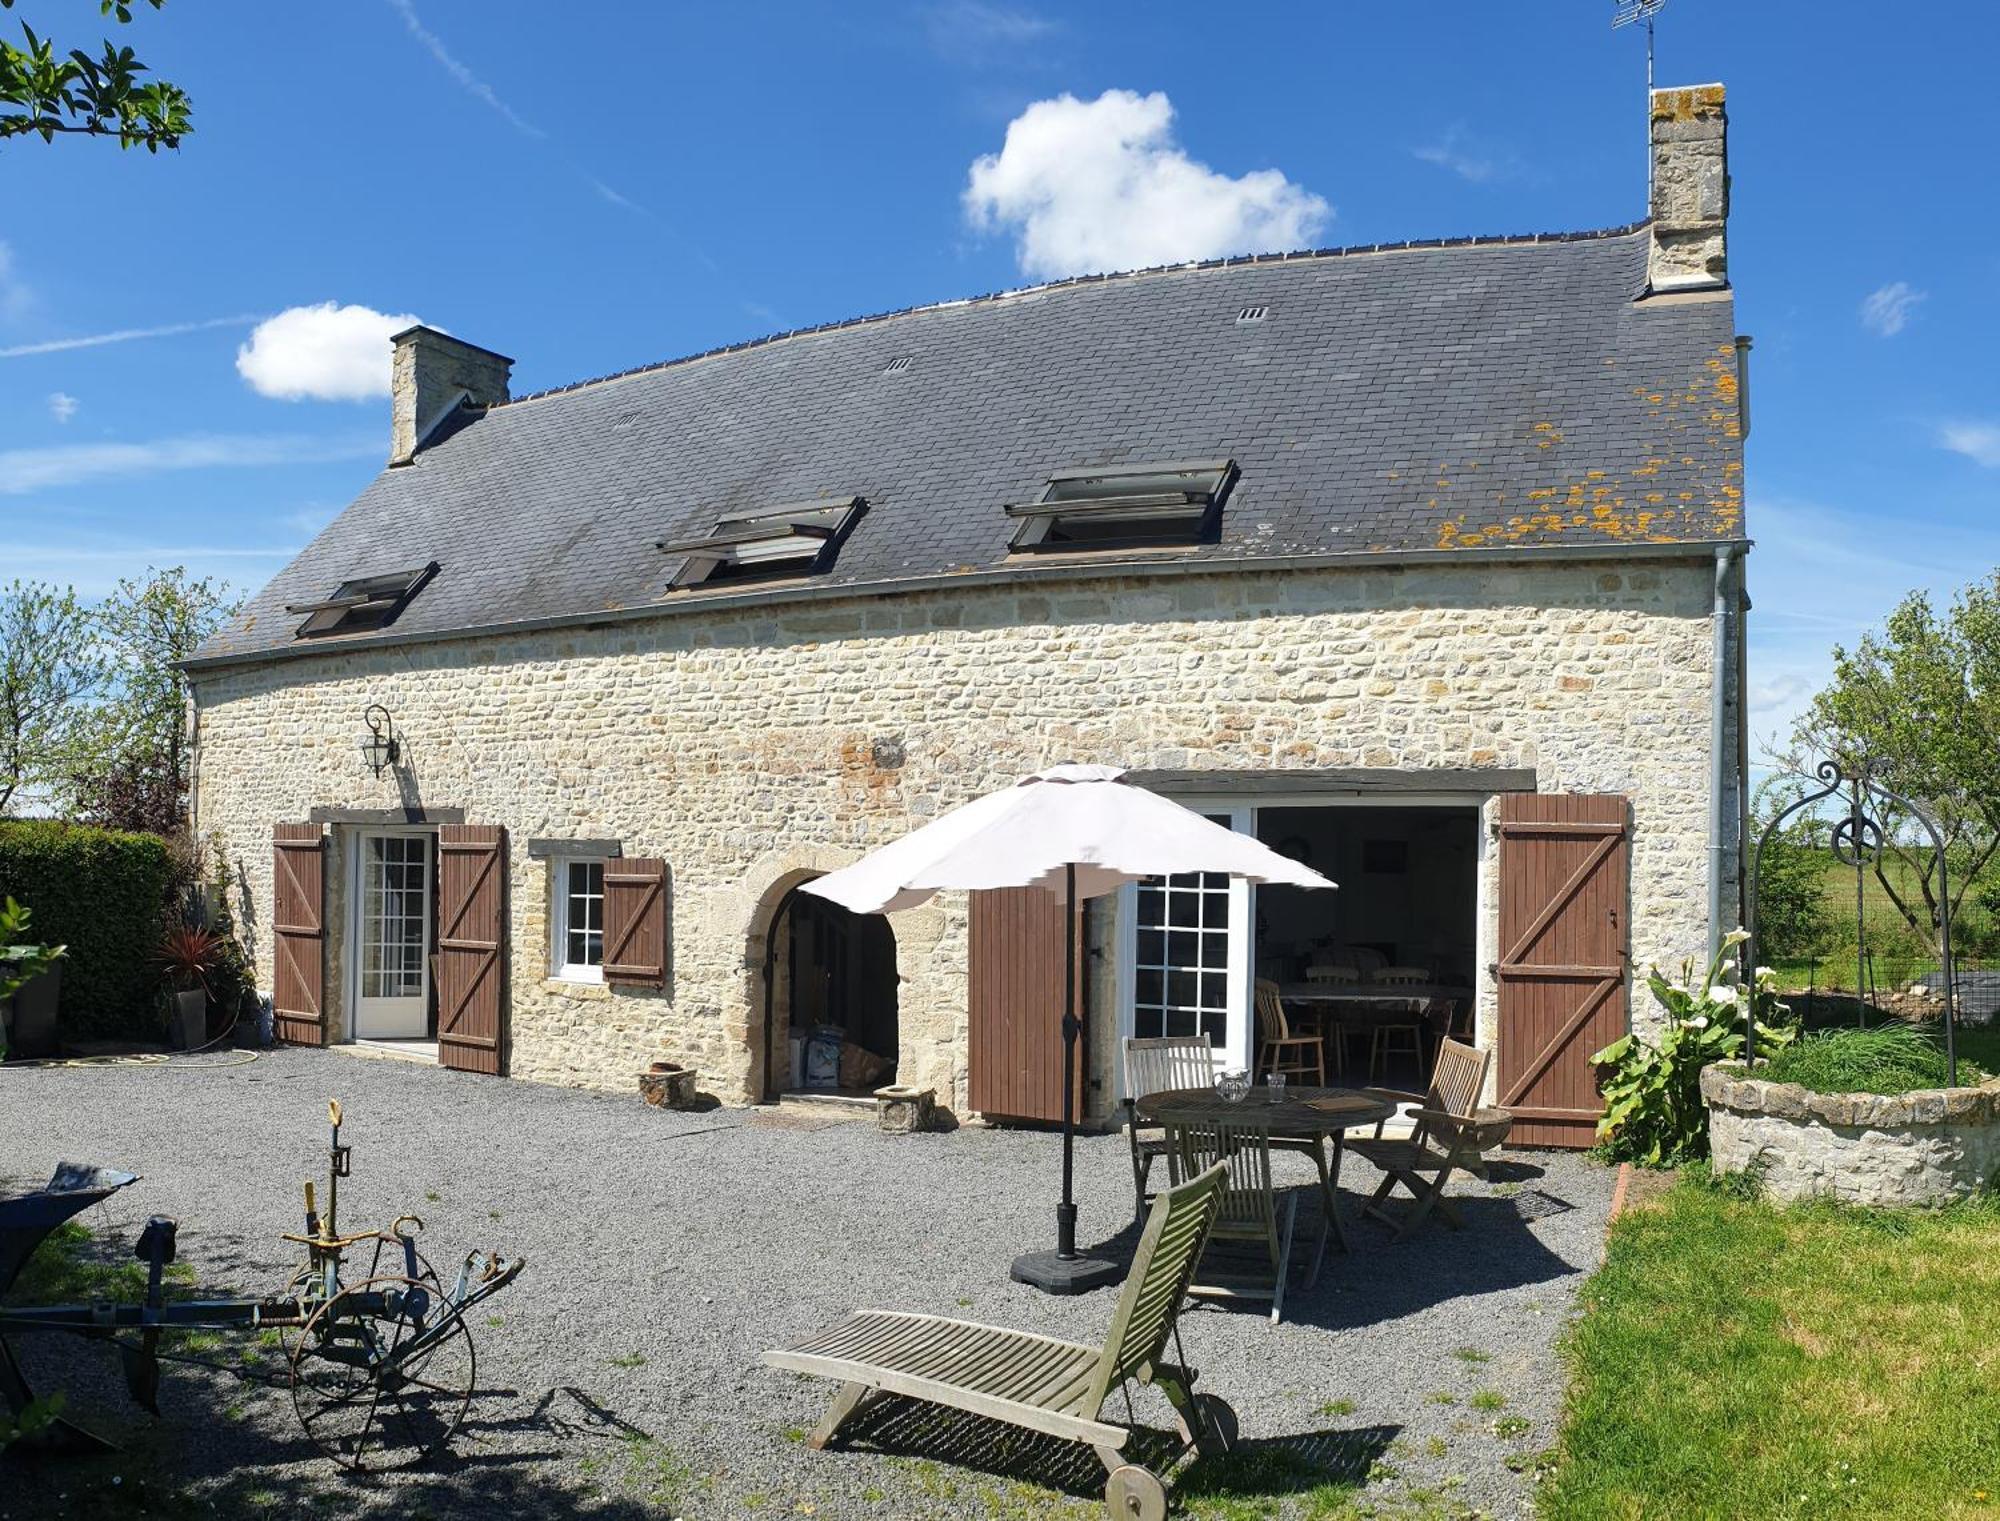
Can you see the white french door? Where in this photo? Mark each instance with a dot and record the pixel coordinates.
(392, 897)
(1185, 955)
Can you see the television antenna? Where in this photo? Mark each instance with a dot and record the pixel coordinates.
(1631, 12)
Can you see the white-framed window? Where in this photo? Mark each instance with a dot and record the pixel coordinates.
(577, 918)
(1185, 953)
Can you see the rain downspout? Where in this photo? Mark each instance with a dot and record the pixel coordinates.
(1728, 662)
(192, 719)
(1718, 741)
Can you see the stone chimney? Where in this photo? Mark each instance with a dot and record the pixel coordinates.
(430, 374)
(1690, 190)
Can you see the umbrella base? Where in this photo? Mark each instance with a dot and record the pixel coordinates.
(1053, 1273)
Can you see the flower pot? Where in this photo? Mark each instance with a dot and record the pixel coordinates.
(33, 1025)
(190, 1016)
(667, 1085)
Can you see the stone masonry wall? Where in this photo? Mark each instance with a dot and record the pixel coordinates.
(739, 745)
(1923, 1148)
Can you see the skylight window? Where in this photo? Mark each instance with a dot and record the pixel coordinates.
(371, 602)
(1125, 506)
(795, 540)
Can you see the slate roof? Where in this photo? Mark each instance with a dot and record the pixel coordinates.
(1444, 397)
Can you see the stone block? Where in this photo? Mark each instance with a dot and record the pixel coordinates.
(904, 1110)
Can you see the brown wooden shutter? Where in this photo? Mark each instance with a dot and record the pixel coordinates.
(1015, 1003)
(1565, 951)
(472, 945)
(635, 922)
(298, 931)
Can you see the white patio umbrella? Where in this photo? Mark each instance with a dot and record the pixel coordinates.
(1080, 832)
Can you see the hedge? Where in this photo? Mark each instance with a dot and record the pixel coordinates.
(102, 893)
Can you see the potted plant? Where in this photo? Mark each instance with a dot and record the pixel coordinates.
(26, 969)
(188, 957)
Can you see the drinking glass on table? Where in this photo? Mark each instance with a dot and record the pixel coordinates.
(1274, 1085)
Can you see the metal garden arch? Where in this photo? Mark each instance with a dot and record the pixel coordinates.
(1858, 842)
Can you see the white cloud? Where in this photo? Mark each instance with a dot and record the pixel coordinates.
(72, 464)
(309, 520)
(968, 31)
(121, 335)
(93, 564)
(1468, 158)
(1979, 442)
(325, 352)
(15, 297)
(1100, 185)
(1780, 694)
(1823, 574)
(469, 81)
(62, 406)
(1887, 311)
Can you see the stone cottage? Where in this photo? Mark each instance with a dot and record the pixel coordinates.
(1422, 561)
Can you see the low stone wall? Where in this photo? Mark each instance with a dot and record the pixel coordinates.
(1926, 1147)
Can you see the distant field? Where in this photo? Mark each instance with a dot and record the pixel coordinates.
(1898, 956)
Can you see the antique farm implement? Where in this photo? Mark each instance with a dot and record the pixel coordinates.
(381, 1365)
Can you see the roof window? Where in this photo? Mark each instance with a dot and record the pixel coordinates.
(1123, 506)
(1250, 314)
(371, 602)
(795, 540)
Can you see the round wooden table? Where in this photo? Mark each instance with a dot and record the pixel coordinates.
(1306, 1114)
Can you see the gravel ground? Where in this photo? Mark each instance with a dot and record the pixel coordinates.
(619, 1375)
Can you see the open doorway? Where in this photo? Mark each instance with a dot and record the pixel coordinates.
(392, 887)
(832, 983)
(1405, 918)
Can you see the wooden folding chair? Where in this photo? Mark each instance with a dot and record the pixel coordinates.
(1249, 1210)
(1452, 1133)
(1158, 1064)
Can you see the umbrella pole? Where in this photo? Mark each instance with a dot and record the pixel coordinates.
(1066, 1270)
(1066, 1211)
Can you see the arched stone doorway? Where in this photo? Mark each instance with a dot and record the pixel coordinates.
(826, 970)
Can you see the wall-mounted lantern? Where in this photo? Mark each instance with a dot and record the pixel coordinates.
(379, 749)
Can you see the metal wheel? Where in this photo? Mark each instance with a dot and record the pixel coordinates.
(306, 1280)
(382, 1373)
(1218, 1423)
(1133, 1494)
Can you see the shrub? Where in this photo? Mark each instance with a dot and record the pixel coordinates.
(1653, 1113)
(101, 893)
(1891, 1058)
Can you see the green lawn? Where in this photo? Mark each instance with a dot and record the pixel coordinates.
(1736, 1359)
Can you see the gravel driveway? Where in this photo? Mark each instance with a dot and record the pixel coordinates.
(665, 1250)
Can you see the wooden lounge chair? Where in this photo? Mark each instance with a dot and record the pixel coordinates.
(1452, 1134)
(1250, 1210)
(1158, 1064)
(1278, 1049)
(1037, 1382)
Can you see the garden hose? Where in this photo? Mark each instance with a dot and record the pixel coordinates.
(153, 1058)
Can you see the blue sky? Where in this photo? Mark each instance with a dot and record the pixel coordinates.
(606, 185)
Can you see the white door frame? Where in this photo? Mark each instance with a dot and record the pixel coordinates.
(406, 1018)
(1235, 1053)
